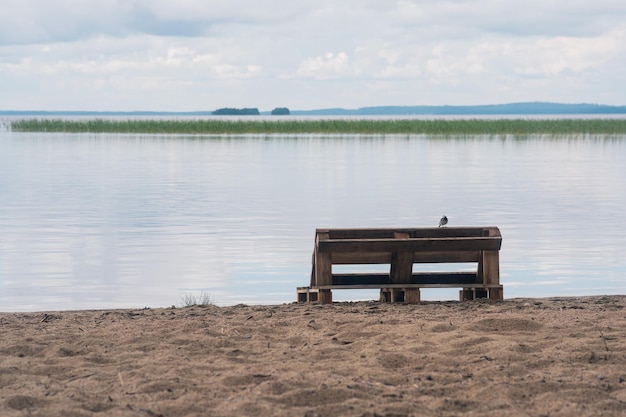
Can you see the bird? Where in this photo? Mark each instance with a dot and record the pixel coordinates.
(443, 221)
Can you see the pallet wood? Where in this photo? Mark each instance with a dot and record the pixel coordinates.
(401, 248)
(482, 243)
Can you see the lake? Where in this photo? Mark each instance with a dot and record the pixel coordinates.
(129, 221)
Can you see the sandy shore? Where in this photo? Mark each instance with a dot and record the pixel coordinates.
(521, 357)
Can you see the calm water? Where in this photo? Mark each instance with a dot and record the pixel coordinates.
(100, 221)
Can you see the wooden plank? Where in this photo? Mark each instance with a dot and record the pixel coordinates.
(466, 294)
(377, 286)
(323, 269)
(322, 264)
(496, 293)
(357, 258)
(457, 278)
(361, 279)
(489, 264)
(313, 282)
(425, 232)
(490, 267)
(401, 267)
(434, 278)
(446, 257)
(492, 231)
(409, 245)
(325, 296)
(412, 295)
(401, 263)
(367, 258)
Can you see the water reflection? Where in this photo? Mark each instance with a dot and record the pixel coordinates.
(94, 221)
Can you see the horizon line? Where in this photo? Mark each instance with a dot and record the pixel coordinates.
(342, 109)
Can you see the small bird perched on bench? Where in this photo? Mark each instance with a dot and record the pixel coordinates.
(443, 221)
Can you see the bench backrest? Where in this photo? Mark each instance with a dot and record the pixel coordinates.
(427, 244)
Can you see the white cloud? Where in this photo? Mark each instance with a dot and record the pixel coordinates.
(557, 55)
(451, 62)
(329, 65)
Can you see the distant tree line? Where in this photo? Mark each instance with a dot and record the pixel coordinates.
(246, 111)
(229, 111)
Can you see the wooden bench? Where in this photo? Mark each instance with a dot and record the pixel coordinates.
(401, 248)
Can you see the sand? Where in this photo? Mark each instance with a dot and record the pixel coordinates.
(519, 357)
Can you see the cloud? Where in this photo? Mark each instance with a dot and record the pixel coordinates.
(461, 18)
(37, 21)
(67, 54)
(327, 66)
(558, 55)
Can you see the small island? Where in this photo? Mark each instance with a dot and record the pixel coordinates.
(281, 111)
(230, 111)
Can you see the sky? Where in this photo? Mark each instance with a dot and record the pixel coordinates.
(198, 55)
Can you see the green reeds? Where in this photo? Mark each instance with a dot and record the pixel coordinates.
(329, 126)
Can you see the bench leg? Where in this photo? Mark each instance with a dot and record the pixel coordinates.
(412, 295)
(400, 295)
(480, 293)
(307, 295)
(466, 294)
(496, 294)
(325, 297)
(391, 295)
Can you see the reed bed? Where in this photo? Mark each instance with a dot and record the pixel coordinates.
(329, 126)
